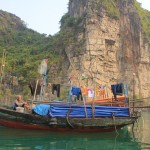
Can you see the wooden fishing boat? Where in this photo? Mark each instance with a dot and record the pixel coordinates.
(22, 120)
(87, 117)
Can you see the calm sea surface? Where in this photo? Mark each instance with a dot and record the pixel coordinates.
(125, 139)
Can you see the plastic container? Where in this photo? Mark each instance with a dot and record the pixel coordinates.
(19, 109)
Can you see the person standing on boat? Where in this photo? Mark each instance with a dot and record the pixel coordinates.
(20, 103)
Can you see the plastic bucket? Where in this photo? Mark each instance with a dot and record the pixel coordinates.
(19, 109)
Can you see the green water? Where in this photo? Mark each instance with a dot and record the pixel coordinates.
(13, 139)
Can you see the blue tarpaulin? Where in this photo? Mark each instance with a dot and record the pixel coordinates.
(42, 109)
(78, 111)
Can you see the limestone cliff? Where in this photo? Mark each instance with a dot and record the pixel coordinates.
(110, 46)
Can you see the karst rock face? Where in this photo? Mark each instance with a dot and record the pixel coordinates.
(113, 49)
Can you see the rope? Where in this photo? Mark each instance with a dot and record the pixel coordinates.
(143, 120)
(115, 141)
(67, 118)
(113, 115)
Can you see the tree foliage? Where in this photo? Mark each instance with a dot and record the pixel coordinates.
(25, 48)
(145, 20)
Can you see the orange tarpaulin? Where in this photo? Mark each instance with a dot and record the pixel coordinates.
(105, 100)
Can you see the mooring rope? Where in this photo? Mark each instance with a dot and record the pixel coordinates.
(113, 116)
(67, 118)
(143, 120)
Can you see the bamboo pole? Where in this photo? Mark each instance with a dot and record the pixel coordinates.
(3, 63)
(37, 81)
(133, 89)
(85, 108)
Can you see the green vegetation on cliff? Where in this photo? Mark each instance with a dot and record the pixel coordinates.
(25, 48)
(145, 20)
(110, 7)
(70, 29)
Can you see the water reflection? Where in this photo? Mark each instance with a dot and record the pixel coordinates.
(141, 131)
(12, 139)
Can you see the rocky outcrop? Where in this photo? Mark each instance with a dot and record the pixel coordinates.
(8, 20)
(114, 50)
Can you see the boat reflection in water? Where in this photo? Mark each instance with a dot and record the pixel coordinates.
(141, 130)
(20, 139)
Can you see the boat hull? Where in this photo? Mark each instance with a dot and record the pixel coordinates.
(20, 125)
(13, 119)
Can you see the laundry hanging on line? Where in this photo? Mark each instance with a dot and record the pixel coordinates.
(56, 88)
